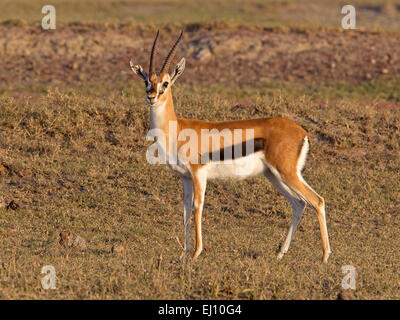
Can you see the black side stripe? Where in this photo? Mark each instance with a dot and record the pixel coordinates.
(241, 150)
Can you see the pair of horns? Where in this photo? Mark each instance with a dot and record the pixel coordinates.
(168, 59)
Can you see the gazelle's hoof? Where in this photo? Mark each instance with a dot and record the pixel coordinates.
(183, 255)
(325, 257)
(196, 254)
(280, 255)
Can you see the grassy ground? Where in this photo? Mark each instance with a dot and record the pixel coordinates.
(77, 162)
(72, 157)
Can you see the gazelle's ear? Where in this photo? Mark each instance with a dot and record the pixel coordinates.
(178, 70)
(137, 69)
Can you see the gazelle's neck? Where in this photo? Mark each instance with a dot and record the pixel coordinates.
(162, 117)
(162, 113)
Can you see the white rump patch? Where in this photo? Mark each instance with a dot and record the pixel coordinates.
(300, 166)
(303, 156)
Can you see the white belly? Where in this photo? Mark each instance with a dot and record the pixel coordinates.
(241, 168)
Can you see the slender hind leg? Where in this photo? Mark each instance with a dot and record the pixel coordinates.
(298, 206)
(298, 209)
(298, 185)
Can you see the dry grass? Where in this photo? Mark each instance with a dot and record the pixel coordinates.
(75, 160)
(371, 14)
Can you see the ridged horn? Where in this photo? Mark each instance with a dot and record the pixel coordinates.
(152, 68)
(170, 55)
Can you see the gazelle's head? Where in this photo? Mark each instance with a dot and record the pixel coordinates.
(158, 84)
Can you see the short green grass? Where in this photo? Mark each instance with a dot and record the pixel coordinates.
(379, 90)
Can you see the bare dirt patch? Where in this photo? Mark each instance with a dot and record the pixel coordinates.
(81, 53)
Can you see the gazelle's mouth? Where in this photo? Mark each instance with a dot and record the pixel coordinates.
(152, 100)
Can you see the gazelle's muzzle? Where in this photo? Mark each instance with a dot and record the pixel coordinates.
(151, 97)
(151, 100)
(151, 94)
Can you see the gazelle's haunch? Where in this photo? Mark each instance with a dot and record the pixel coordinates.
(280, 152)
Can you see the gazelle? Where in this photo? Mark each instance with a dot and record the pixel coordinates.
(279, 152)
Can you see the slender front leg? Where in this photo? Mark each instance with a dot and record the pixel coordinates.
(199, 187)
(187, 209)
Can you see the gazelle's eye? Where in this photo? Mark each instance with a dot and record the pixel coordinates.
(165, 84)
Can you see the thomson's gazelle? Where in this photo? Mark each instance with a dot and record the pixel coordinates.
(278, 150)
